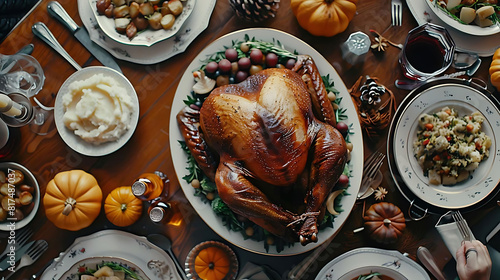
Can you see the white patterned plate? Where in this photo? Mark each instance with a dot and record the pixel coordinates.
(465, 100)
(74, 141)
(94, 262)
(362, 261)
(158, 52)
(180, 159)
(147, 37)
(152, 261)
(484, 45)
(470, 29)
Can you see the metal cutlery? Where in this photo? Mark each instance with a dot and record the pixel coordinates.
(463, 228)
(31, 256)
(372, 165)
(164, 243)
(5, 263)
(396, 12)
(21, 237)
(57, 11)
(298, 271)
(42, 31)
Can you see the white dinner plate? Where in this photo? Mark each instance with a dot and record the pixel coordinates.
(147, 37)
(482, 45)
(119, 245)
(465, 100)
(158, 52)
(180, 159)
(93, 263)
(75, 142)
(362, 261)
(470, 29)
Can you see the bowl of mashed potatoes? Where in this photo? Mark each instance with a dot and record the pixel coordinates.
(96, 111)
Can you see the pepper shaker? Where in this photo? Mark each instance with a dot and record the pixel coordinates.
(355, 48)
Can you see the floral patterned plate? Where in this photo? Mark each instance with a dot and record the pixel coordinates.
(148, 37)
(138, 253)
(363, 261)
(94, 263)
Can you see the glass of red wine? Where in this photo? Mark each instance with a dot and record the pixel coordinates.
(428, 51)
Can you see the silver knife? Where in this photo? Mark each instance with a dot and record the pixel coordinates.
(492, 233)
(57, 11)
(18, 254)
(425, 256)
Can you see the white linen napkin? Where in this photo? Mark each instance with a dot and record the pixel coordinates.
(450, 233)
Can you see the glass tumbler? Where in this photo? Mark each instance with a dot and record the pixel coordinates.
(428, 51)
(20, 73)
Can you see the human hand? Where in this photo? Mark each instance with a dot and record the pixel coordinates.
(473, 261)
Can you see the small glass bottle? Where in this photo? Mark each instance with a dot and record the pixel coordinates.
(150, 186)
(161, 211)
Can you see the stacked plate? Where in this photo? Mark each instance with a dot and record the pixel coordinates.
(149, 46)
(482, 185)
(468, 38)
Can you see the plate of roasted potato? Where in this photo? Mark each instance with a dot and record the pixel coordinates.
(141, 22)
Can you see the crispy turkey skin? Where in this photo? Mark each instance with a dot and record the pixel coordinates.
(271, 148)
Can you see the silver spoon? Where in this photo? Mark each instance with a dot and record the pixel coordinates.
(464, 60)
(164, 243)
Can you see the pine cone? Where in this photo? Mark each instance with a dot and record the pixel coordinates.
(255, 10)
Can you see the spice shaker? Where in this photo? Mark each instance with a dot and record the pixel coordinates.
(355, 48)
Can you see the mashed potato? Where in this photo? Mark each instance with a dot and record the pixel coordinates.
(449, 147)
(97, 109)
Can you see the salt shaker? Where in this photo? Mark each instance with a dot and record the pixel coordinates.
(355, 48)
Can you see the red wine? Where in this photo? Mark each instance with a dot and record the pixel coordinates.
(425, 54)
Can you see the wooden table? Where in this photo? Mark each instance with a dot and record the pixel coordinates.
(148, 149)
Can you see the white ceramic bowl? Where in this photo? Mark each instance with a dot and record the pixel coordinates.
(29, 179)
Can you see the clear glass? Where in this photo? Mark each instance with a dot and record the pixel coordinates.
(20, 73)
(428, 51)
(39, 119)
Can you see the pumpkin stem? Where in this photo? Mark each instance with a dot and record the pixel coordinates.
(387, 222)
(211, 265)
(69, 204)
(329, 1)
(123, 207)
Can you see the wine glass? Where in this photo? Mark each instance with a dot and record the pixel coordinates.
(20, 73)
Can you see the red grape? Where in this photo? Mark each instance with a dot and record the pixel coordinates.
(225, 65)
(211, 67)
(256, 56)
(271, 60)
(290, 63)
(342, 128)
(241, 76)
(231, 54)
(244, 63)
(343, 180)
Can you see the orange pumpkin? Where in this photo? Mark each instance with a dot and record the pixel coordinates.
(495, 70)
(122, 208)
(212, 263)
(385, 222)
(72, 200)
(324, 17)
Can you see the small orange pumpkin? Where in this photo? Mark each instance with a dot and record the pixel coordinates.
(212, 263)
(72, 200)
(122, 208)
(385, 222)
(495, 70)
(324, 17)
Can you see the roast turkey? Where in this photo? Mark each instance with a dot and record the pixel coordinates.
(271, 146)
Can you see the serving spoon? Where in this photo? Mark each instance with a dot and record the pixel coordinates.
(164, 243)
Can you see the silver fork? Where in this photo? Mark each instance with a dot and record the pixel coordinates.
(463, 228)
(21, 237)
(372, 165)
(33, 253)
(396, 12)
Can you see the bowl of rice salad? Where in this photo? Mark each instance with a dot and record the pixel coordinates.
(449, 147)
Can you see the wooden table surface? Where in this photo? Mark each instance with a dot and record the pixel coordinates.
(148, 149)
